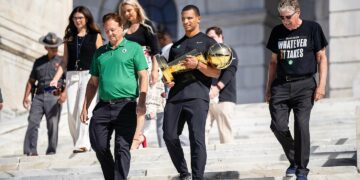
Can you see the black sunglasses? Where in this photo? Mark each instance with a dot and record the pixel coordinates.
(287, 17)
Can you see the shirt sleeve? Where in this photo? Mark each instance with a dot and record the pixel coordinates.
(33, 71)
(94, 68)
(319, 39)
(272, 42)
(140, 60)
(229, 72)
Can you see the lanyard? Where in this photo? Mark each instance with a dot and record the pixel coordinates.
(78, 51)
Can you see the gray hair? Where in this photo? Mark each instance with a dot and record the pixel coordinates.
(292, 5)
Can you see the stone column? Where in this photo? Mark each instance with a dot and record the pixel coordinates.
(344, 54)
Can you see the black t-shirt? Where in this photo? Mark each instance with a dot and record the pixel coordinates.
(190, 84)
(146, 36)
(296, 49)
(81, 48)
(228, 77)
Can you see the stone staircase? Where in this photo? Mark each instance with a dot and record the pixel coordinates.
(255, 154)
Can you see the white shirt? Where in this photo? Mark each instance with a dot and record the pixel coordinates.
(166, 50)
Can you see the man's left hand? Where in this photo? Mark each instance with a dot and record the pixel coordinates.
(62, 97)
(319, 93)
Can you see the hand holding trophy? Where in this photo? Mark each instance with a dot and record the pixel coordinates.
(219, 56)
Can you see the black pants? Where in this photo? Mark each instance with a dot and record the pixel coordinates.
(43, 104)
(296, 96)
(193, 112)
(106, 118)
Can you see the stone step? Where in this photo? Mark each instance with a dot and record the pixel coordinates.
(273, 141)
(261, 145)
(94, 172)
(162, 157)
(260, 148)
(265, 121)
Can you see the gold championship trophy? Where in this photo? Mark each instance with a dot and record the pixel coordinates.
(219, 56)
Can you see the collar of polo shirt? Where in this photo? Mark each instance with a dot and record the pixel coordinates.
(122, 44)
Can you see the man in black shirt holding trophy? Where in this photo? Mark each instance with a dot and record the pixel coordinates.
(188, 99)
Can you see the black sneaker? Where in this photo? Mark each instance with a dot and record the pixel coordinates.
(185, 176)
(290, 171)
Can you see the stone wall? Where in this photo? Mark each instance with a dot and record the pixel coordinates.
(21, 25)
(344, 46)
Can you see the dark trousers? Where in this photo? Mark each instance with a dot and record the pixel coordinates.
(106, 118)
(194, 113)
(43, 104)
(296, 96)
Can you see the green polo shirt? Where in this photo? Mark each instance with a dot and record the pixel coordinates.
(117, 69)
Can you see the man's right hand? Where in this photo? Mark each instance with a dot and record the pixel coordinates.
(267, 96)
(54, 83)
(26, 103)
(84, 116)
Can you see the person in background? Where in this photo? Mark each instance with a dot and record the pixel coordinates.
(298, 52)
(119, 71)
(45, 101)
(224, 90)
(139, 28)
(82, 38)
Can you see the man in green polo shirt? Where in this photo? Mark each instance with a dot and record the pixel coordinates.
(119, 71)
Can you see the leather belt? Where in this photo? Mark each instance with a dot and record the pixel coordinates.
(289, 78)
(118, 100)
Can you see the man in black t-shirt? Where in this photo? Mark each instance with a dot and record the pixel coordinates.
(188, 99)
(298, 51)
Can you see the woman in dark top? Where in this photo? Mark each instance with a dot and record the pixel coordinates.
(139, 29)
(82, 38)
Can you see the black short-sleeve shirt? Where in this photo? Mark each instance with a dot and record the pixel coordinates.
(44, 70)
(190, 84)
(146, 36)
(296, 49)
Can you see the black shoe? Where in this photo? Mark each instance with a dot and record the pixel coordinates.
(185, 176)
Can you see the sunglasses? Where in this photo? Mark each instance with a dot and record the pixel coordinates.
(287, 17)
